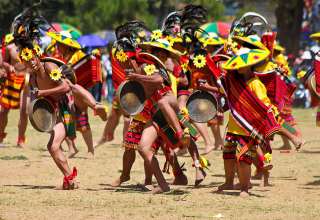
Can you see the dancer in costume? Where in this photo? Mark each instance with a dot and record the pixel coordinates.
(46, 81)
(239, 146)
(277, 90)
(252, 94)
(310, 77)
(55, 84)
(118, 76)
(163, 51)
(171, 31)
(286, 111)
(13, 93)
(213, 45)
(132, 138)
(147, 65)
(70, 52)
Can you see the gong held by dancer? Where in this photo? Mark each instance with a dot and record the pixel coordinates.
(87, 73)
(49, 84)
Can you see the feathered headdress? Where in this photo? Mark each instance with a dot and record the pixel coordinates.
(27, 25)
(130, 30)
(169, 22)
(193, 16)
(250, 23)
(129, 34)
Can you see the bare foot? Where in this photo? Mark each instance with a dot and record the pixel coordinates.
(225, 186)
(21, 145)
(119, 181)
(73, 153)
(101, 111)
(208, 150)
(299, 144)
(181, 151)
(159, 190)
(73, 184)
(265, 182)
(244, 194)
(99, 143)
(21, 142)
(285, 147)
(103, 140)
(146, 188)
(267, 167)
(91, 154)
(200, 176)
(180, 180)
(258, 175)
(218, 145)
(238, 187)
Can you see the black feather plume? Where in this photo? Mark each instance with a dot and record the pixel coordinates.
(130, 29)
(193, 16)
(127, 34)
(26, 26)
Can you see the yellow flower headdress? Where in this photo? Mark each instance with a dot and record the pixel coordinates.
(26, 54)
(8, 39)
(156, 34)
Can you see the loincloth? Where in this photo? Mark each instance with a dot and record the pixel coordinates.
(157, 95)
(134, 134)
(67, 116)
(82, 121)
(238, 146)
(217, 120)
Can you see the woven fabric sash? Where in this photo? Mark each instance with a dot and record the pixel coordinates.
(118, 74)
(317, 73)
(277, 89)
(250, 113)
(248, 110)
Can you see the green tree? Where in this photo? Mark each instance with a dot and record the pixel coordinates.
(107, 14)
(9, 9)
(215, 8)
(93, 15)
(289, 21)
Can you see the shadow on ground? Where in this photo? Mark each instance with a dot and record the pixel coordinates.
(24, 186)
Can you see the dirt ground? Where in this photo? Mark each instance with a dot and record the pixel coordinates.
(28, 178)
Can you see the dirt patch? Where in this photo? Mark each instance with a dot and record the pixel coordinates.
(28, 179)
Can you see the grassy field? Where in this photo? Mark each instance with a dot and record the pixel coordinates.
(28, 178)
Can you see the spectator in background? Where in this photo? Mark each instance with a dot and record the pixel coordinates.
(107, 69)
(316, 16)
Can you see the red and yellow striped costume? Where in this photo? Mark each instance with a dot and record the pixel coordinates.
(11, 90)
